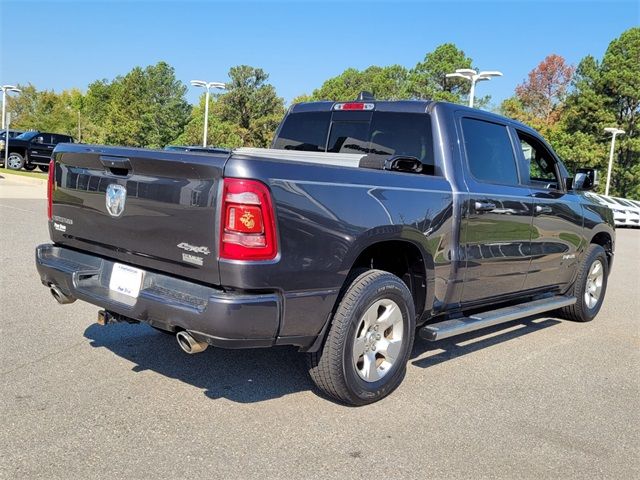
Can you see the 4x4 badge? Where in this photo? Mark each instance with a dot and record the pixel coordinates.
(193, 248)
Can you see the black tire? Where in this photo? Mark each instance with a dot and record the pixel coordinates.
(29, 167)
(332, 368)
(15, 161)
(44, 168)
(581, 311)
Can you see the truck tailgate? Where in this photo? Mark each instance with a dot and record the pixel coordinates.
(151, 208)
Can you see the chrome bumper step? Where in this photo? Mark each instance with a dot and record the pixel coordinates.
(458, 326)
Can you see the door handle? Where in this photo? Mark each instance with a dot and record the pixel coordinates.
(484, 206)
(543, 209)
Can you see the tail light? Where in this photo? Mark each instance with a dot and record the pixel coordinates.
(50, 187)
(354, 106)
(248, 230)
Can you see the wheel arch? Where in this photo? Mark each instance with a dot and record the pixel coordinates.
(605, 240)
(405, 259)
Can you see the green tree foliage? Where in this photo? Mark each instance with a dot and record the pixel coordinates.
(44, 110)
(246, 115)
(252, 104)
(385, 83)
(427, 80)
(146, 107)
(572, 111)
(607, 94)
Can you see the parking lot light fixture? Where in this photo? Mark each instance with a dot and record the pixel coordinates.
(614, 132)
(5, 89)
(208, 86)
(473, 76)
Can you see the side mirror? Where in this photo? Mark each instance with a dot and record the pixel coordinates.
(586, 179)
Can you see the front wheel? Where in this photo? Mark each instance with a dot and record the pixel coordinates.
(15, 161)
(365, 354)
(44, 168)
(590, 286)
(29, 167)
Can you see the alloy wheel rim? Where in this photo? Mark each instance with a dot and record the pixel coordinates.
(378, 340)
(593, 288)
(13, 161)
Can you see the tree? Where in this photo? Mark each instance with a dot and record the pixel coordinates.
(543, 94)
(385, 83)
(146, 107)
(607, 94)
(252, 104)
(247, 115)
(428, 80)
(44, 110)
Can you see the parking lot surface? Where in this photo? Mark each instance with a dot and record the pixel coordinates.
(539, 398)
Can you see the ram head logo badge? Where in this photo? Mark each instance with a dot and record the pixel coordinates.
(115, 199)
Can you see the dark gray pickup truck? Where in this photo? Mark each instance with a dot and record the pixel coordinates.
(365, 223)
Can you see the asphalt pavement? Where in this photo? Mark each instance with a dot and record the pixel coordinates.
(540, 398)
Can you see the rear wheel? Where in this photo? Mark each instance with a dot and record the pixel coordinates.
(29, 167)
(15, 161)
(365, 353)
(590, 286)
(44, 168)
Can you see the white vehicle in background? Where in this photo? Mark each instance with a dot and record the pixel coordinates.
(619, 213)
(632, 210)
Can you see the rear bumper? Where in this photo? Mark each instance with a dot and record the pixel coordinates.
(221, 318)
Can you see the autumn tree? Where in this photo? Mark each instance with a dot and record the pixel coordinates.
(543, 93)
(607, 94)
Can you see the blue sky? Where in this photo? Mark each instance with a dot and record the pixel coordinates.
(58, 45)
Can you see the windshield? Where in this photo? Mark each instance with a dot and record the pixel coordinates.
(377, 133)
(26, 135)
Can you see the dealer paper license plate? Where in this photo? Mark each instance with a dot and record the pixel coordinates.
(126, 280)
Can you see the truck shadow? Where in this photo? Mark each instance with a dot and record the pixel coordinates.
(455, 347)
(243, 376)
(255, 375)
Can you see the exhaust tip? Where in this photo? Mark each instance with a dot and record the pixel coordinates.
(189, 344)
(60, 297)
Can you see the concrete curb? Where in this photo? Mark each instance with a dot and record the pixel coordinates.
(21, 179)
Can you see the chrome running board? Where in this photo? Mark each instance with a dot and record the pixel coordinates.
(458, 326)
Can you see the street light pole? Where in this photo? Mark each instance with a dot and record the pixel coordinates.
(473, 76)
(613, 131)
(5, 89)
(208, 86)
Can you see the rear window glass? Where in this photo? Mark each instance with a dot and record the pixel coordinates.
(382, 133)
(304, 131)
(349, 137)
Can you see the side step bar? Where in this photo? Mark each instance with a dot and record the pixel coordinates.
(457, 326)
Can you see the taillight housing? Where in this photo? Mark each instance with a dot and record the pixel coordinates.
(248, 228)
(50, 187)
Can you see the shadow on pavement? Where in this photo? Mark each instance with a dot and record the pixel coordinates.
(243, 376)
(254, 375)
(452, 349)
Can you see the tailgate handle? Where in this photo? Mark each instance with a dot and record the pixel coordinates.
(117, 165)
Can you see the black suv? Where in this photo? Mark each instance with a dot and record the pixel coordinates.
(33, 149)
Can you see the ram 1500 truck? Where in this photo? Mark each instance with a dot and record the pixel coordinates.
(365, 223)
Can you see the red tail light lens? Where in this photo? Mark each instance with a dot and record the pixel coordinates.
(51, 187)
(248, 230)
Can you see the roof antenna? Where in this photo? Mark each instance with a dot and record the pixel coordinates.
(365, 96)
